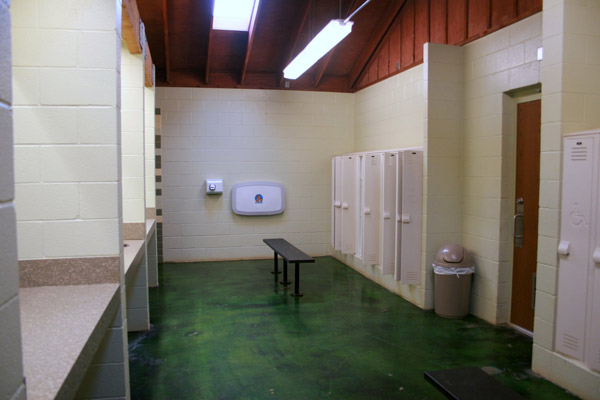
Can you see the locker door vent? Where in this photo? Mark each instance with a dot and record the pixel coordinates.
(411, 276)
(371, 259)
(373, 160)
(571, 342)
(579, 153)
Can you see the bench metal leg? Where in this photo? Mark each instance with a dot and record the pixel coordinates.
(297, 282)
(275, 264)
(285, 281)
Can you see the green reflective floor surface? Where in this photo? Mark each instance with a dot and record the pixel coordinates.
(227, 330)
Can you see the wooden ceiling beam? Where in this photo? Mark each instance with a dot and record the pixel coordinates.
(208, 49)
(296, 39)
(330, 54)
(130, 26)
(374, 42)
(165, 17)
(251, 31)
(148, 66)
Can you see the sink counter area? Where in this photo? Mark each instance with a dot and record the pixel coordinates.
(62, 327)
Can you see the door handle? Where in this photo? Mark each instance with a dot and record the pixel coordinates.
(518, 223)
(337, 204)
(367, 211)
(345, 205)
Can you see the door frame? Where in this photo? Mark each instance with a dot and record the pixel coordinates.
(509, 160)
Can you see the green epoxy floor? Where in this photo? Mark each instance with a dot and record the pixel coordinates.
(227, 330)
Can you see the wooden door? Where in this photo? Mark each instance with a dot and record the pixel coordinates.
(526, 214)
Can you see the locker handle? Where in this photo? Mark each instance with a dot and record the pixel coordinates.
(596, 256)
(405, 218)
(337, 204)
(386, 215)
(367, 211)
(344, 205)
(564, 248)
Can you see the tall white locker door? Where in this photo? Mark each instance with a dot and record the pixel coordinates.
(388, 214)
(411, 217)
(349, 203)
(398, 219)
(593, 338)
(336, 229)
(371, 208)
(579, 163)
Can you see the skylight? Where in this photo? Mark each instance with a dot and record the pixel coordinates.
(233, 15)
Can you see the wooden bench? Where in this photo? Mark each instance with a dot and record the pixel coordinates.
(290, 254)
(470, 383)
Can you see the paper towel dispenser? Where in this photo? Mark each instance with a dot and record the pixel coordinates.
(258, 198)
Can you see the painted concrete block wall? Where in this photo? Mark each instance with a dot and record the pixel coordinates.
(12, 384)
(248, 135)
(494, 64)
(65, 88)
(570, 103)
(149, 141)
(442, 183)
(133, 136)
(390, 114)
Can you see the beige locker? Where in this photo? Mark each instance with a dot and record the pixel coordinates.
(578, 297)
(336, 214)
(371, 208)
(398, 217)
(388, 213)
(411, 217)
(350, 175)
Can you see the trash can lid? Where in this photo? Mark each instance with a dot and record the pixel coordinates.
(453, 255)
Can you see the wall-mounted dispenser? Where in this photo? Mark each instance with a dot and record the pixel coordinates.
(214, 186)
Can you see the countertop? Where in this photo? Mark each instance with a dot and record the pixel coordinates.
(62, 327)
(132, 253)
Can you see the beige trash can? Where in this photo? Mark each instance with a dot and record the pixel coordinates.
(453, 270)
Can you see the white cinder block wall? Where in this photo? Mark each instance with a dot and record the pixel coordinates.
(570, 103)
(248, 135)
(149, 150)
(12, 385)
(133, 136)
(494, 64)
(389, 115)
(65, 100)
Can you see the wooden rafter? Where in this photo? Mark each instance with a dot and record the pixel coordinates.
(148, 67)
(330, 54)
(374, 42)
(251, 32)
(296, 38)
(208, 48)
(130, 26)
(166, 40)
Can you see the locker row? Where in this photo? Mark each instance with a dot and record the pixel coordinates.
(578, 297)
(377, 210)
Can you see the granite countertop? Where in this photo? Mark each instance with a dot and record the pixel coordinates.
(62, 327)
(150, 227)
(132, 254)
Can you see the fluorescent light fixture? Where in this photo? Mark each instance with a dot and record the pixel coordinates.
(327, 39)
(233, 15)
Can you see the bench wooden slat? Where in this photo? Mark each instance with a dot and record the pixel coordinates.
(288, 251)
(470, 383)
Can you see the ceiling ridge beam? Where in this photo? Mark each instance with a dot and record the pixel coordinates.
(325, 63)
(251, 32)
(375, 39)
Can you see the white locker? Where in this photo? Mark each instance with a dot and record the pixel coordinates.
(388, 213)
(337, 179)
(349, 203)
(371, 208)
(411, 217)
(398, 217)
(578, 308)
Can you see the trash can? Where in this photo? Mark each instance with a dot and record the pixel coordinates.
(453, 270)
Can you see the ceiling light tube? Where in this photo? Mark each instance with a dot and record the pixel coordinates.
(327, 39)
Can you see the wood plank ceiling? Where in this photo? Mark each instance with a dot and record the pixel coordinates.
(387, 38)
